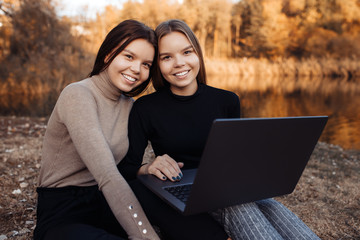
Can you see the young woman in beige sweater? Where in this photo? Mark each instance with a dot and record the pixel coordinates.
(81, 194)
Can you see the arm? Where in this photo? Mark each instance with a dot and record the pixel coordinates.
(78, 111)
(164, 167)
(138, 141)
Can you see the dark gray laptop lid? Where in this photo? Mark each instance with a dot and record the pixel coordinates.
(250, 159)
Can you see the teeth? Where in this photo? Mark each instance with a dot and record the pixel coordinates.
(181, 74)
(129, 78)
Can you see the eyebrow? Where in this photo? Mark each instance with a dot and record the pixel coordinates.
(127, 50)
(185, 48)
(132, 53)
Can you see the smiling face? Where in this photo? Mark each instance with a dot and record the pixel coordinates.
(179, 64)
(131, 67)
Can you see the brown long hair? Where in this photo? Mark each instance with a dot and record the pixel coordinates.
(175, 25)
(117, 40)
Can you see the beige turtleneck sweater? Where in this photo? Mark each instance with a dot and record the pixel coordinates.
(86, 138)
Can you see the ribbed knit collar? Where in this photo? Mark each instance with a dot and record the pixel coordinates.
(107, 88)
(187, 98)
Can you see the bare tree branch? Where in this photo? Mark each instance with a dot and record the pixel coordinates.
(6, 12)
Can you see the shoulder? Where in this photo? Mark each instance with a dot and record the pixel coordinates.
(148, 106)
(149, 99)
(220, 93)
(77, 93)
(77, 89)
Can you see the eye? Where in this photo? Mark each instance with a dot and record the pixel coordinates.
(128, 56)
(188, 51)
(165, 58)
(147, 65)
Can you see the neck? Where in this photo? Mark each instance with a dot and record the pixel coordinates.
(104, 84)
(185, 91)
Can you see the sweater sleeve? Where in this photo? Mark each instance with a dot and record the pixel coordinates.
(78, 111)
(138, 142)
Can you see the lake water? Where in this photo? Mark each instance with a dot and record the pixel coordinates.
(342, 107)
(337, 98)
(343, 127)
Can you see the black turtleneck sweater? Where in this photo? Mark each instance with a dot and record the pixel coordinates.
(175, 125)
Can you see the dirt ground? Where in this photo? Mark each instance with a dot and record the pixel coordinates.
(327, 197)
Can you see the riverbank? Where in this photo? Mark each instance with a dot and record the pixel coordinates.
(256, 74)
(326, 198)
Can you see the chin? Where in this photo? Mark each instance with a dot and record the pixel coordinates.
(126, 88)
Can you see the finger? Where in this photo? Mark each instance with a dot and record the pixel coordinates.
(165, 165)
(180, 164)
(161, 168)
(154, 170)
(170, 173)
(160, 175)
(174, 167)
(171, 167)
(172, 162)
(177, 166)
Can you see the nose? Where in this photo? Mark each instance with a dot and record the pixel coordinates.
(135, 67)
(179, 61)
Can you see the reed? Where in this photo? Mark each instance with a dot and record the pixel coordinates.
(286, 67)
(286, 75)
(248, 74)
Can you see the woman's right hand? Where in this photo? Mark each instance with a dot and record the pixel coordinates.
(164, 167)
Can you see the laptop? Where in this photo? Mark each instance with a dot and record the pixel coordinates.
(244, 160)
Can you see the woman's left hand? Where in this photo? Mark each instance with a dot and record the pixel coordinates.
(164, 167)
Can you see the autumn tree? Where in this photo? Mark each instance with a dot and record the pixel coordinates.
(95, 30)
(196, 14)
(236, 22)
(254, 39)
(43, 54)
(5, 26)
(300, 28)
(151, 12)
(220, 28)
(323, 27)
(252, 28)
(210, 21)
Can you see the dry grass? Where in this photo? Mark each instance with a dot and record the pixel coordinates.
(286, 67)
(255, 74)
(286, 75)
(326, 198)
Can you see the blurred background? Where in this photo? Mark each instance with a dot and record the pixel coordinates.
(282, 57)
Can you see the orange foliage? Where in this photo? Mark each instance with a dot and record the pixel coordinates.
(39, 48)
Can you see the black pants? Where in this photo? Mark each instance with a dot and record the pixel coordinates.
(75, 213)
(172, 224)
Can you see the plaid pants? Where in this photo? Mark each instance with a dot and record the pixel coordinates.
(266, 219)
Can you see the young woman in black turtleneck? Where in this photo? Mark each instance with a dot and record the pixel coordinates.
(176, 120)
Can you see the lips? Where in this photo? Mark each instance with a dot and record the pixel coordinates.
(183, 73)
(131, 79)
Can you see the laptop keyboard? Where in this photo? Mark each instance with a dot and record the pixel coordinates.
(180, 192)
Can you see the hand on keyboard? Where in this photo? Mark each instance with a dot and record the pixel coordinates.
(164, 167)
